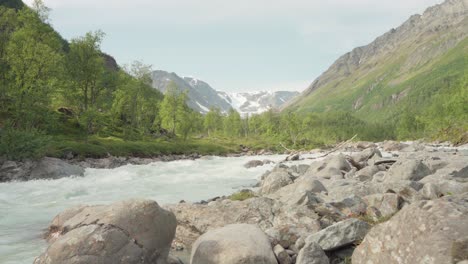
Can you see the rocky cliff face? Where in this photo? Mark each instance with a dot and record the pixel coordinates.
(201, 96)
(389, 60)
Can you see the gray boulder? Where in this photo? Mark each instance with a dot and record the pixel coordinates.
(278, 178)
(253, 164)
(367, 173)
(52, 168)
(429, 232)
(393, 145)
(312, 253)
(233, 244)
(340, 234)
(302, 191)
(386, 204)
(331, 166)
(282, 255)
(133, 231)
(365, 155)
(407, 169)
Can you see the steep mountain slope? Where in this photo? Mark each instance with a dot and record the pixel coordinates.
(201, 96)
(404, 68)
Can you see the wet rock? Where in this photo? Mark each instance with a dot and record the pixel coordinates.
(253, 164)
(423, 232)
(233, 244)
(52, 168)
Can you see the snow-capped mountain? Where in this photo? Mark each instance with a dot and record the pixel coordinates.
(201, 96)
(257, 102)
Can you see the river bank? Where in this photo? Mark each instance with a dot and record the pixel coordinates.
(321, 191)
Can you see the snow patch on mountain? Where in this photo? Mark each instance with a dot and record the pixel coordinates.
(202, 97)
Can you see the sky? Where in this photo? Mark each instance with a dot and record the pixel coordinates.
(241, 45)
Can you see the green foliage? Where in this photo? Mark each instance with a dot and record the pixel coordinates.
(242, 195)
(233, 124)
(213, 122)
(173, 110)
(22, 144)
(50, 88)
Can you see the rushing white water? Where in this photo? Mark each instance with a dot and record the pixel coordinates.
(26, 208)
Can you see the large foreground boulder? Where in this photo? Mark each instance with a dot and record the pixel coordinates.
(431, 232)
(233, 244)
(52, 168)
(134, 231)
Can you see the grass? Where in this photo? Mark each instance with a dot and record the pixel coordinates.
(98, 147)
(368, 219)
(242, 195)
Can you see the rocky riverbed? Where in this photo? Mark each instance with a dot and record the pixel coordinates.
(367, 203)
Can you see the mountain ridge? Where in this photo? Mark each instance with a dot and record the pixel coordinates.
(202, 97)
(390, 61)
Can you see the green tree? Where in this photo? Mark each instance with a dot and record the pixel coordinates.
(213, 122)
(173, 108)
(85, 68)
(136, 102)
(233, 124)
(34, 57)
(8, 24)
(291, 125)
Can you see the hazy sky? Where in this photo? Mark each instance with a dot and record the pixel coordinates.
(236, 45)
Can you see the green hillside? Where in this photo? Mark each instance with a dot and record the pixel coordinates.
(414, 77)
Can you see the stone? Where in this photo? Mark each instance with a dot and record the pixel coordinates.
(430, 232)
(430, 191)
(332, 165)
(351, 206)
(407, 169)
(52, 168)
(275, 180)
(312, 253)
(171, 259)
(282, 255)
(253, 164)
(340, 234)
(365, 155)
(393, 145)
(233, 244)
(302, 191)
(367, 173)
(387, 204)
(133, 231)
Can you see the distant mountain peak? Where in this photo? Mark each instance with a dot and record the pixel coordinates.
(202, 97)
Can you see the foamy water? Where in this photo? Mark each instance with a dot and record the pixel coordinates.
(26, 208)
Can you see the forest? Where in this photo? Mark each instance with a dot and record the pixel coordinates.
(60, 97)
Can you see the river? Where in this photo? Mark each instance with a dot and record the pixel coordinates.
(26, 208)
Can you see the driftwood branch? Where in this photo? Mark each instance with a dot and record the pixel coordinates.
(290, 150)
(336, 148)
